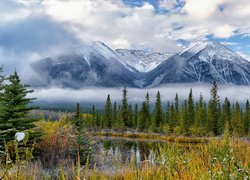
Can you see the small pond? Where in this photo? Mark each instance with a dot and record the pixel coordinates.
(112, 154)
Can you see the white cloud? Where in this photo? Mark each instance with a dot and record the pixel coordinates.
(114, 23)
(122, 26)
(234, 93)
(202, 9)
(223, 31)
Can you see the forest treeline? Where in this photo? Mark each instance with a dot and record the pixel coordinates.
(186, 117)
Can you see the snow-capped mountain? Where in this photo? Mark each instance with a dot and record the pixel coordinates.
(141, 60)
(93, 64)
(202, 62)
(96, 64)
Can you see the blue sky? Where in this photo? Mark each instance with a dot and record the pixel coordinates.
(239, 42)
(33, 29)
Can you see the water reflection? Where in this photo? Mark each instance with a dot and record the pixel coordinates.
(112, 154)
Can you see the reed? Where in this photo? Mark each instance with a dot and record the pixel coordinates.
(217, 159)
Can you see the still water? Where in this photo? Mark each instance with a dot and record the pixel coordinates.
(113, 154)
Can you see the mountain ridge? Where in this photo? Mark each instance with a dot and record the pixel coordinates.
(96, 64)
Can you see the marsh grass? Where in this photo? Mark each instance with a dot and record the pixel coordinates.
(217, 159)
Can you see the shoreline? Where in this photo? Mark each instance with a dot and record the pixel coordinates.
(150, 137)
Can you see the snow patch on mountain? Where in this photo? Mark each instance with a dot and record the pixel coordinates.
(141, 60)
(203, 62)
(95, 64)
(96, 48)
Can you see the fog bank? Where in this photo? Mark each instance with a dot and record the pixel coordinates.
(99, 95)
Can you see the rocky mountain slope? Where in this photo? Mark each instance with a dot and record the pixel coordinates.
(202, 62)
(98, 65)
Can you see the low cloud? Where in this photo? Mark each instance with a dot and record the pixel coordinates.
(33, 38)
(34, 29)
(99, 95)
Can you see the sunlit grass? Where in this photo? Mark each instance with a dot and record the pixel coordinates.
(217, 159)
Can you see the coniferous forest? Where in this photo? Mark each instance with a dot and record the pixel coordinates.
(188, 117)
(214, 142)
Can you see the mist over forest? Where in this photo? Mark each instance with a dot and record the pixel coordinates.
(66, 98)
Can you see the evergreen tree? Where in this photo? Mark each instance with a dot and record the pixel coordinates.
(191, 115)
(158, 113)
(108, 113)
(115, 116)
(247, 118)
(130, 123)
(125, 109)
(15, 109)
(78, 117)
(200, 117)
(172, 118)
(147, 101)
(148, 114)
(120, 122)
(135, 116)
(225, 116)
(213, 110)
(184, 129)
(167, 113)
(144, 121)
(176, 108)
(238, 129)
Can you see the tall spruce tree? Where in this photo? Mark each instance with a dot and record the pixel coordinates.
(225, 116)
(115, 116)
(130, 123)
(143, 123)
(200, 117)
(176, 108)
(148, 103)
(135, 117)
(148, 118)
(247, 118)
(125, 108)
(158, 112)
(15, 109)
(191, 115)
(144, 119)
(78, 121)
(120, 123)
(171, 119)
(184, 127)
(213, 110)
(167, 113)
(108, 113)
(238, 129)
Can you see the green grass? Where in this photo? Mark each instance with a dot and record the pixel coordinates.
(217, 159)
